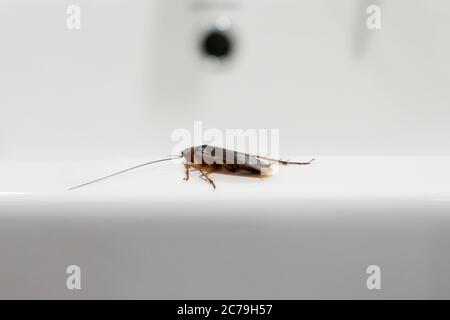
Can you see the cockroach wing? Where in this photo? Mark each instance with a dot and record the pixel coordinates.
(252, 163)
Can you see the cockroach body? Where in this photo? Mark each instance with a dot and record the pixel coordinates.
(207, 159)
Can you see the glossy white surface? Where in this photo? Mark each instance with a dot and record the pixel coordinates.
(303, 233)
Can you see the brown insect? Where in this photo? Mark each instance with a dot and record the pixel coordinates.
(207, 159)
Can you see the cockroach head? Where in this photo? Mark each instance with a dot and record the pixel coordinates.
(188, 154)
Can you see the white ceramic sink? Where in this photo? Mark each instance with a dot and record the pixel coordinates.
(371, 106)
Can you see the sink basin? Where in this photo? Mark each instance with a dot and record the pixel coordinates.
(370, 106)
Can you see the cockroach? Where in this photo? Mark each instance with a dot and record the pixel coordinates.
(207, 159)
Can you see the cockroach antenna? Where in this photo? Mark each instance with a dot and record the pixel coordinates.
(126, 170)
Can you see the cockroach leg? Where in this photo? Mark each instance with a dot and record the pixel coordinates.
(204, 175)
(187, 167)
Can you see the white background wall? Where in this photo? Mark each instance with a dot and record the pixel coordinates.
(133, 74)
